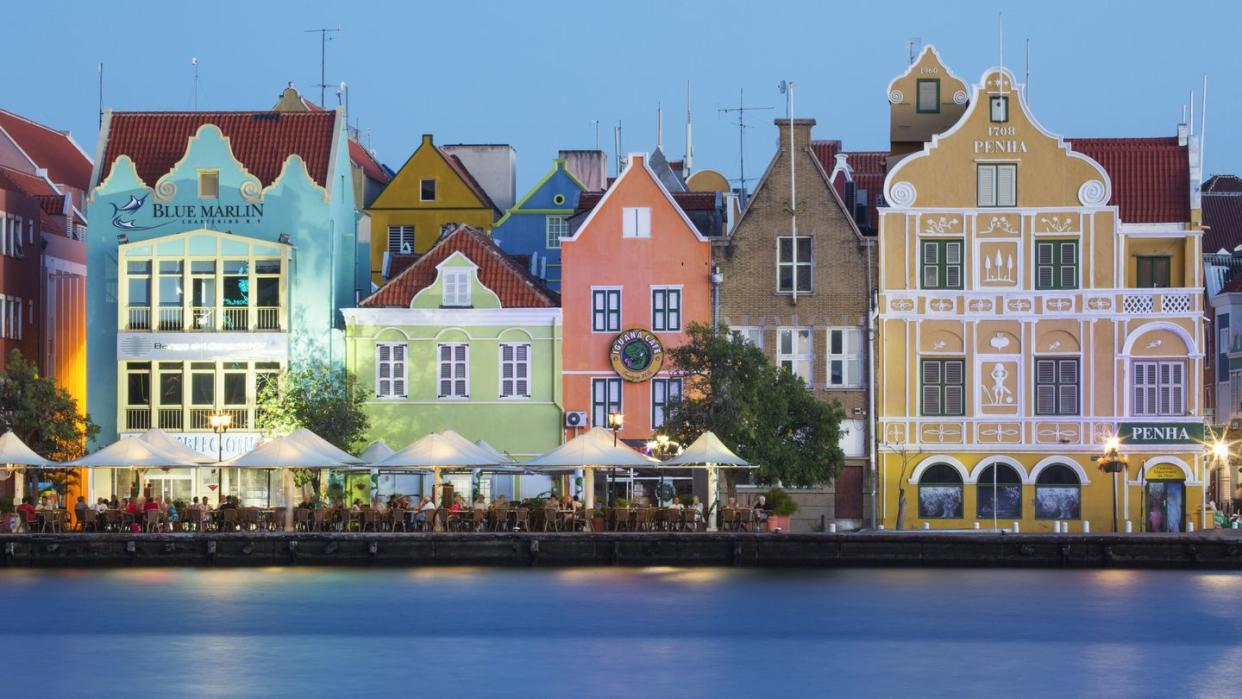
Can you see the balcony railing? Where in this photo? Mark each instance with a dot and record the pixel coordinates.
(205, 318)
(200, 418)
(137, 418)
(186, 418)
(139, 318)
(171, 317)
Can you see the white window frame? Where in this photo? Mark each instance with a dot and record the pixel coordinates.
(400, 236)
(991, 172)
(18, 245)
(795, 264)
(514, 394)
(4, 316)
(205, 176)
(606, 293)
(661, 312)
(850, 357)
(609, 383)
(1158, 388)
(459, 370)
(434, 185)
(4, 234)
(664, 384)
(455, 287)
(18, 315)
(636, 222)
(394, 365)
(795, 357)
(553, 242)
(751, 333)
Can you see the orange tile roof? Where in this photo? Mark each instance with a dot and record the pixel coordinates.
(497, 271)
(370, 166)
(1151, 176)
(156, 141)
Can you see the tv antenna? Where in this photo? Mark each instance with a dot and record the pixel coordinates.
(595, 123)
(194, 62)
(912, 48)
(741, 110)
(323, 56)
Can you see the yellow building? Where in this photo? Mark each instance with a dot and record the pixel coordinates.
(1037, 296)
(432, 193)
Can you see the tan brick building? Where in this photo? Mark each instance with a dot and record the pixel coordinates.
(805, 301)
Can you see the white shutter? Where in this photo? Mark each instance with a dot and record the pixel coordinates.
(521, 370)
(382, 376)
(446, 370)
(1006, 185)
(398, 370)
(987, 185)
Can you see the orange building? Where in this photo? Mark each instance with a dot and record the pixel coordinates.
(636, 274)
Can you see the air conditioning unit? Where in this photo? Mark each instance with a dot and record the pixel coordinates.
(576, 418)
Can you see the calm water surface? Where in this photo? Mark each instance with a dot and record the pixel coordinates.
(591, 633)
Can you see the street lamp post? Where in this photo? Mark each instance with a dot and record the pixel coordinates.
(615, 422)
(1113, 462)
(220, 423)
(1220, 452)
(661, 447)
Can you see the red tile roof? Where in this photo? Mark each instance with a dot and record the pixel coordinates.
(869, 169)
(50, 149)
(1151, 176)
(155, 141)
(28, 184)
(1222, 183)
(1234, 284)
(370, 166)
(497, 271)
(1222, 219)
(688, 201)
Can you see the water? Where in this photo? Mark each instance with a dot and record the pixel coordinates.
(604, 632)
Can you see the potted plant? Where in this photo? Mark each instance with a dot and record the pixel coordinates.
(597, 519)
(781, 507)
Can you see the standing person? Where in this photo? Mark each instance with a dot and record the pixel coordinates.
(761, 509)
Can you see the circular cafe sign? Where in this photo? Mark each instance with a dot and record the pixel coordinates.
(636, 354)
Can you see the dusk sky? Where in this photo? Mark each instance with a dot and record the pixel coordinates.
(536, 75)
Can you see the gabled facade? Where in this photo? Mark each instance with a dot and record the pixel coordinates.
(462, 339)
(636, 274)
(223, 253)
(804, 300)
(1024, 321)
(430, 196)
(533, 228)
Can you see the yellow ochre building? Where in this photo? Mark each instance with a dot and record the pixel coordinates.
(1038, 295)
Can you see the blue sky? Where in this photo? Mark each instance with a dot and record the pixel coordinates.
(537, 74)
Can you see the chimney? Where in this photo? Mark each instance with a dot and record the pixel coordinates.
(802, 132)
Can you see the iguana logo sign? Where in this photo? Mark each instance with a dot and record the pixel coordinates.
(636, 354)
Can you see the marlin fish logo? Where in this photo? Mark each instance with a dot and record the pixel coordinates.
(130, 207)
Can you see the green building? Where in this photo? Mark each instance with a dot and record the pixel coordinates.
(463, 339)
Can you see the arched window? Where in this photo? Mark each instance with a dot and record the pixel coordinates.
(940, 493)
(999, 492)
(1058, 493)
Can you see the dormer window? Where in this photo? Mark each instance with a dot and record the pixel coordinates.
(456, 292)
(928, 97)
(208, 184)
(427, 190)
(636, 222)
(999, 108)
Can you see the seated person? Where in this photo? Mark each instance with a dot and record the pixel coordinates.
(761, 509)
(307, 503)
(27, 511)
(480, 503)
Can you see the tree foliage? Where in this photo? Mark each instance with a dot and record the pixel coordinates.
(41, 413)
(764, 413)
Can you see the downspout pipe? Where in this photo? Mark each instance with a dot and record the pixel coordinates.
(873, 438)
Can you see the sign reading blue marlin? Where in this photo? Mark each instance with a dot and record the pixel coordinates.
(180, 212)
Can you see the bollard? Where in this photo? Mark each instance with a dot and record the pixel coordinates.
(1129, 527)
(1190, 527)
(927, 525)
(1086, 527)
(1056, 526)
(976, 525)
(832, 528)
(1015, 527)
(881, 526)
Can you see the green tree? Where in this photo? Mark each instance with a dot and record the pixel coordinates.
(44, 416)
(766, 414)
(326, 401)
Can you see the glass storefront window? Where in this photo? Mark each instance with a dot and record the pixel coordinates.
(138, 384)
(235, 383)
(999, 492)
(203, 388)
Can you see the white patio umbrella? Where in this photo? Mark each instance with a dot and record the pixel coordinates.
(589, 451)
(14, 453)
(322, 445)
(173, 447)
(438, 451)
(376, 452)
(131, 453)
(709, 452)
(284, 454)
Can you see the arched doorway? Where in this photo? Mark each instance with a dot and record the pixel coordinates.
(1164, 498)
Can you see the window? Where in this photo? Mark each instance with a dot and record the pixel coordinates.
(390, 369)
(794, 352)
(793, 265)
(665, 309)
(636, 222)
(750, 333)
(17, 316)
(556, 227)
(1159, 388)
(455, 293)
(606, 310)
(998, 184)
(138, 383)
(1222, 348)
(1153, 272)
(203, 383)
(234, 383)
(928, 97)
(1056, 386)
(944, 387)
(1058, 493)
(940, 493)
(454, 361)
(844, 357)
(401, 240)
(942, 264)
(605, 399)
(1056, 264)
(4, 234)
(427, 190)
(664, 392)
(999, 108)
(16, 247)
(998, 492)
(514, 370)
(209, 184)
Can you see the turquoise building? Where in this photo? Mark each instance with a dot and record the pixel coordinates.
(463, 339)
(531, 231)
(223, 247)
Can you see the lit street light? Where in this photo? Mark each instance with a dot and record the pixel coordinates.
(1114, 463)
(220, 423)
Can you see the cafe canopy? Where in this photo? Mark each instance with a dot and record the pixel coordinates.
(129, 452)
(594, 449)
(709, 452)
(171, 446)
(14, 452)
(323, 446)
(376, 452)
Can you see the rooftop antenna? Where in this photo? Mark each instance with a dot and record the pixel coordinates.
(1202, 127)
(617, 144)
(1000, 39)
(787, 89)
(1026, 82)
(912, 46)
(688, 161)
(323, 56)
(741, 110)
(1191, 123)
(194, 62)
(659, 127)
(595, 123)
(101, 94)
